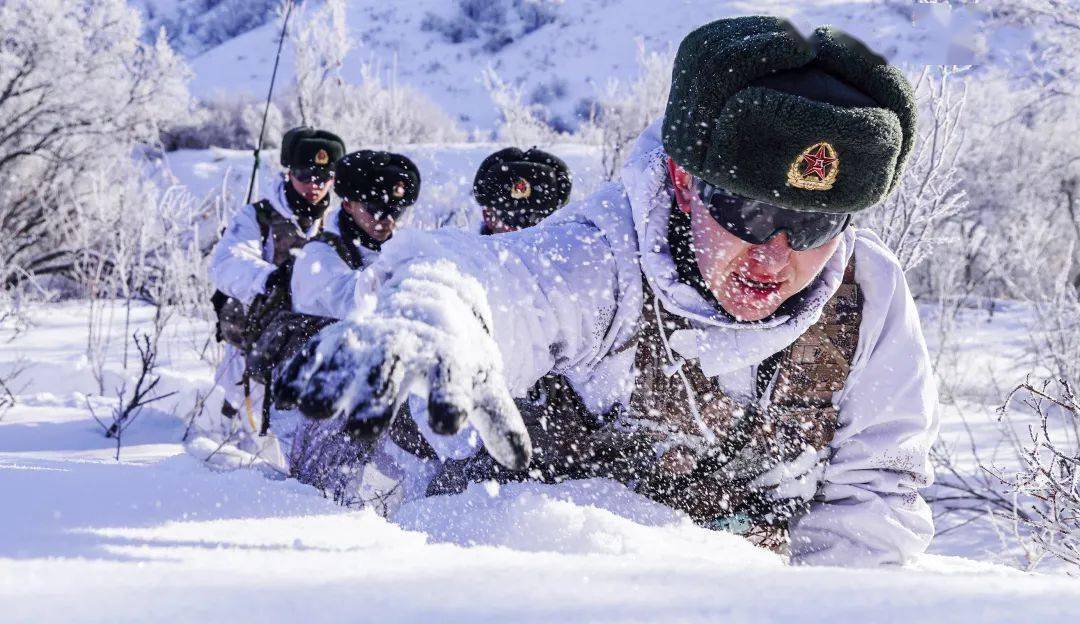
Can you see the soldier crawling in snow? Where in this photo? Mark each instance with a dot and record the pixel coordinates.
(515, 189)
(733, 347)
(329, 282)
(251, 264)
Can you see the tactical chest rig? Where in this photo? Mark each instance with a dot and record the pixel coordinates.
(233, 327)
(702, 449)
(284, 332)
(682, 441)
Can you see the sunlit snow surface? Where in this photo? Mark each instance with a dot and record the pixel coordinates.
(159, 536)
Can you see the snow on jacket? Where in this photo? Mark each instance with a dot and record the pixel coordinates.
(242, 260)
(324, 284)
(567, 296)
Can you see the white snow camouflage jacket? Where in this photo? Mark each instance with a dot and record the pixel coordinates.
(325, 285)
(242, 260)
(567, 294)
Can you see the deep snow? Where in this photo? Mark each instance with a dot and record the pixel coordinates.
(159, 536)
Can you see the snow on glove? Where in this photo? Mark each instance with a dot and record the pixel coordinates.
(430, 334)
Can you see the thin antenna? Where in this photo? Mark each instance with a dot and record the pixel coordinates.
(266, 111)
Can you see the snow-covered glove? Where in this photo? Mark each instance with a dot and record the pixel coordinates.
(430, 335)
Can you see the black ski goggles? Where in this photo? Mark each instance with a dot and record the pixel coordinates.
(313, 175)
(756, 222)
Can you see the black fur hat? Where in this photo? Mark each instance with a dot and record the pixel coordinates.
(522, 187)
(305, 147)
(820, 124)
(383, 180)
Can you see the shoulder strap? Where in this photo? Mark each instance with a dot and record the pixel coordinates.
(344, 250)
(818, 363)
(264, 215)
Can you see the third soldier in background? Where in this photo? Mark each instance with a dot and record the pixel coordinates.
(519, 189)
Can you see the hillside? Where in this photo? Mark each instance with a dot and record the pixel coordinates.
(563, 53)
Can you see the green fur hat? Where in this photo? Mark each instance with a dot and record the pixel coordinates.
(820, 124)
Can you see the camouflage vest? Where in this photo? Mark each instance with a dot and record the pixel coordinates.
(284, 236)
(348, 252)
(703, 448)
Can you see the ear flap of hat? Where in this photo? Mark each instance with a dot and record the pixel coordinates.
(847, 57)
(713, 63)
(559, 193)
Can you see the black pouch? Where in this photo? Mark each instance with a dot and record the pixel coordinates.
(282, 336)
(232, 319)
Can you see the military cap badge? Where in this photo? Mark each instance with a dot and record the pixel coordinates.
(816, 168)
(322, 158)
(399, 190)
(521, 189)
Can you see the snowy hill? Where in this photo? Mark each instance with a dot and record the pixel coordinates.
(563, 53)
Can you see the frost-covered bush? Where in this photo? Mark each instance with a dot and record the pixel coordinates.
(624, 109)
(912, 221)
(520, 122)
(370, 108)
(1046, 486)
(79, 91)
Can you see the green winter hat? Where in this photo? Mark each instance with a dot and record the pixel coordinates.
(305, 147)
(820, 124)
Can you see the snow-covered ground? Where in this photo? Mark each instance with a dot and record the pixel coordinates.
(159, 536)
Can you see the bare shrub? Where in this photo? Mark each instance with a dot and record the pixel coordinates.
(910, 220)
(624, 110)
(1047, 484)
(131, 404)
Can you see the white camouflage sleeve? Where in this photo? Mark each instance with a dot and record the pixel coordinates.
(237, 267)
(551, 290)
(324, 285)
(868, 510)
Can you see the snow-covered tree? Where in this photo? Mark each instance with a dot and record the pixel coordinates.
(79, 92)
(360, 101)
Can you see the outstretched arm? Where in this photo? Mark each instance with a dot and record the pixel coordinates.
(464, 320)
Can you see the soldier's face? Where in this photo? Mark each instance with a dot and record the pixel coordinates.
(750, 281)
(378, 228)
(494, 224)
(314, 189)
